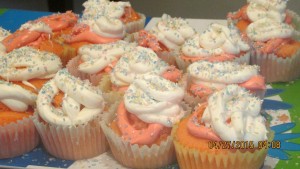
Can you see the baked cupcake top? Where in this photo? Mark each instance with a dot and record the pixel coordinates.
(232, 114)
(216, 43)
(154, 99)
(95, 58)
(172, 32)
(28, 63)
(15, 97)
(140, 60)
(77, 101)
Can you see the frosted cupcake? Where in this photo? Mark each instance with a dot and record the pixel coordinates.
(95, 62)
(120, 10)
(276, 50)
(205, 78)
(216, 44)
(42, 34)
(67, 117)
(27, 70)
(138, 128)
(167, 37)
(256, 9)
(227, 132)
(140, 61)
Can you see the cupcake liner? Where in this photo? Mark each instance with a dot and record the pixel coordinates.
(18, 138)
(277, 69)
(135, 156)
(190, 158)
(72, 68)
(169, 57)
(135, 26)
(72, 142)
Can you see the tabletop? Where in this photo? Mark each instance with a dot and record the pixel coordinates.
(282, 104)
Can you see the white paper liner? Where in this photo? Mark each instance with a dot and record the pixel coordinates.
(72, 142)
(136, 26)
(18, 138)
(183, 64)
(277, 69)
(189, 158)
(168, 57)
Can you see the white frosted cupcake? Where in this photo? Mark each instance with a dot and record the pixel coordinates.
(140, 61)
(67, 117)
(218, 43)
(204, 78)
(96, 61)
(166, 37)
(132, 20)
(138, 128)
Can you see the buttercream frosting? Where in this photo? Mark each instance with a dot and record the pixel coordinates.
(3, 33)
(36, 26)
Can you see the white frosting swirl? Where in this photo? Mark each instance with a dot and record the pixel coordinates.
(27, 63)
(77, 94)
(138, 61)
(242, 109)
(154, 99)
(273, 9)
(216, 40)
(219, 74)
(265, 29)
(96, 57)
(36, 26)
(3, 33)
(96, 8)
(172, 32)
(15, 97)
(106, 27)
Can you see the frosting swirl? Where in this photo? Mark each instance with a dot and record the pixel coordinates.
(77, 94)
(172, 32)
(140, 60)
(265, 29)
(36, 26)
(273, 9)
(216, 40)
(15, 97)
(27, 63)
(219, 74)
(96, 57)
(154, 99)
(234, 115)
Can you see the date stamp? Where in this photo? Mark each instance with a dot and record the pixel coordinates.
(243, 144)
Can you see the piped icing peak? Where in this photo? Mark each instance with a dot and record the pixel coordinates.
(216, 40)
(96, 57)
(172, 32)
(81, 101)
(154, 99)
(15, 97)
(234, 115)
(140, 60)
(27, 63)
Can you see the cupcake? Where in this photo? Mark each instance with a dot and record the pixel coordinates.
(256, 9)
(138, 128)
(276, 49)
(3, 34)
(22, 73)
(43, 34)
(132, 20)
(167, 37)
(205, 78)
(139, 61)
(227, 132)
(97, 60)
(67, 117)
(217, 44)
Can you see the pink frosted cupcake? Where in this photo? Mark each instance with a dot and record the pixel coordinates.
(138, 129)
(204, 78)
(217, 43)
(96, 61)
(167, 37)
(67, 117)
(140, 61)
